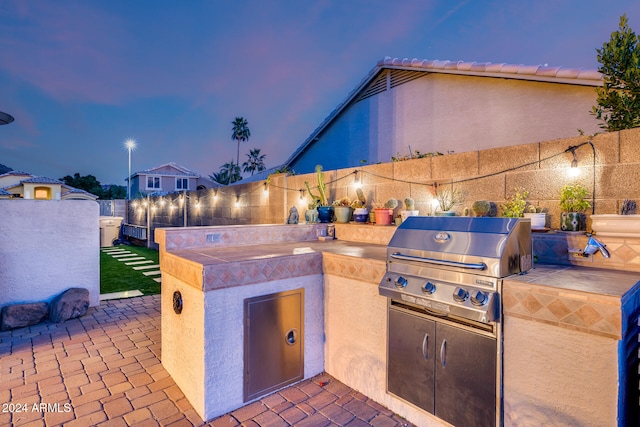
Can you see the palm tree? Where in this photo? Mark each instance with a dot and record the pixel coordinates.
(229, 173)
(255, 161)
(239, 133)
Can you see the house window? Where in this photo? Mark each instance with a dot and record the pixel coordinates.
(182, 183)
(42, 193)
(153, 182)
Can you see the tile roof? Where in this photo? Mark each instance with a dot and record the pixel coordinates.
(579, 76)
(181, 171)
(41, 180)
(15, 173)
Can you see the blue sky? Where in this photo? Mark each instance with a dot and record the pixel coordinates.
(80, 77)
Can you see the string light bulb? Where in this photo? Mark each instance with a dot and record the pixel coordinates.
(573, 170)
(356, 183)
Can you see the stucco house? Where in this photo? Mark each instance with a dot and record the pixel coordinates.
(409, 106)
(167, 178)
(23, 185)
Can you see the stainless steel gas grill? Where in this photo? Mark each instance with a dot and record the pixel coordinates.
(444, 280)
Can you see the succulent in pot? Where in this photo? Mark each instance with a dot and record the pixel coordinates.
(325, 210)
(537, 216)
(448, 198)
(360, 212)
(481, 207)
(410, 209)
(342, 210)
(384, 215)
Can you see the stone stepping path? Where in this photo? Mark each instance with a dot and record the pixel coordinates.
(120, 295)
(146, 267)
(138, 263)
(146, 261)
(136, 258)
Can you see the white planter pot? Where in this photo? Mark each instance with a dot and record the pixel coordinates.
(407, 214)
(616, 225)
(538, 220)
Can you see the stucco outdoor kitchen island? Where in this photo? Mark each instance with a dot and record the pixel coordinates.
(216, 270)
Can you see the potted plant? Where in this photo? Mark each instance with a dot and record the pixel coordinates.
(384, 215)
(573, 203)
(481, 207)
(342, 210)
(537, 217)
(410, 210)
(360, 212)
(514, 206)
(448, 198)
(325, 210)
(311, 214)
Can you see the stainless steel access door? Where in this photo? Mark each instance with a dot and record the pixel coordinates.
(411, 358)
(273, 342)
(465, 377)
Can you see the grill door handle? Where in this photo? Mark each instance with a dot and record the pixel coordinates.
(443, 353)
(425, 346)
(471, 266)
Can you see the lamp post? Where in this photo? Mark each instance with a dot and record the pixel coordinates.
(130, 145)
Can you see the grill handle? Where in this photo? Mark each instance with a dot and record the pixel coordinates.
(425, 346)
(471, 266)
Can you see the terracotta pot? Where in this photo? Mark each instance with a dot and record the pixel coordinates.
(384, 216)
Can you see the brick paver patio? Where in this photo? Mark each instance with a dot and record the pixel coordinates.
(104, 370)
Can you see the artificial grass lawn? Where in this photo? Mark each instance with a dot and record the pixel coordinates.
(115, 276)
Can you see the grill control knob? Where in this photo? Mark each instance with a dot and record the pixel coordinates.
(479, 298)
(460, 295)
(429, 288)
(401, 282)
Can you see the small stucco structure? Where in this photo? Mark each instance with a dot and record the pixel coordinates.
(403, 107)
(46, 247)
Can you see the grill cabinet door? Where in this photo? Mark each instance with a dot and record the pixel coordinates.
(411, 358)
(465, 377)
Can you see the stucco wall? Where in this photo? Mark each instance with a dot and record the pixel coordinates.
(47, 247)
(451, 113)
(537, 355)
(355, 309)
(202, 348)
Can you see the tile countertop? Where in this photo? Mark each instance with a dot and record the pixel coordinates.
(591, 300)
(213, 256)
(614, 283)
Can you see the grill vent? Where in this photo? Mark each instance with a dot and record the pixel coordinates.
(389, 79)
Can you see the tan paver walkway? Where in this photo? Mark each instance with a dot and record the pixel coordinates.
(104, 369)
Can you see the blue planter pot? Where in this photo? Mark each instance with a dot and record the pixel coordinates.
(325, 213)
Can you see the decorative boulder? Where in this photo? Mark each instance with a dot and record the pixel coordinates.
(70, 304)
(21, 315)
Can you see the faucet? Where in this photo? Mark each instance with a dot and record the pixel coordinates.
(594, 245)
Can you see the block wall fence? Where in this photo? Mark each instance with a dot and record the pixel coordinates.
(541, 168)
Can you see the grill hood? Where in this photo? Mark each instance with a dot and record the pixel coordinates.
(496, 247)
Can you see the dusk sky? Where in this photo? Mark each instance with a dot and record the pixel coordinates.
(80, 77)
